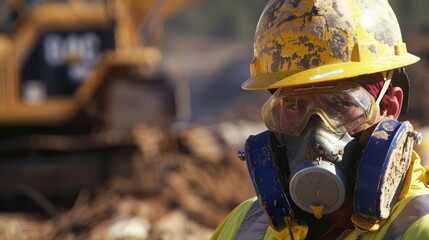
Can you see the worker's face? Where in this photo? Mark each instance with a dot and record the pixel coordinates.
(317, 123)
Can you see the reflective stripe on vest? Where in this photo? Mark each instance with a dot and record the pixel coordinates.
(254, 224)
(415, 209)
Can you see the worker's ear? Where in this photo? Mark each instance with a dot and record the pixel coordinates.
(396, 97)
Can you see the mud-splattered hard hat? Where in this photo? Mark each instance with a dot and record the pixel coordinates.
(312, 41)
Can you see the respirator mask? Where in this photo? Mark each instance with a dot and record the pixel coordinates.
(314, 122)
(308, 159)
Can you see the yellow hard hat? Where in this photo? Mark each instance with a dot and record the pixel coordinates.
(312, 41)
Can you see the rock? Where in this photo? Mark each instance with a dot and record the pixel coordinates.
(128, 228)
(177, 226)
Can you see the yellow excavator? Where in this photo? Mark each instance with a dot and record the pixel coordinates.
(76, 76)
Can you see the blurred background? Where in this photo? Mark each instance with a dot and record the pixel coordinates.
(121, 119)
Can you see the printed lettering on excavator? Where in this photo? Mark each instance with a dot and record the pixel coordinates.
(68, 59)
(78, 51)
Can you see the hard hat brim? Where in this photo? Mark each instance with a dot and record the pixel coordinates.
(326, 73)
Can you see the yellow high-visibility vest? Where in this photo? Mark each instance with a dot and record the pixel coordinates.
(409, 218)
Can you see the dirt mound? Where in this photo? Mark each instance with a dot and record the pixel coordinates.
(179, 193)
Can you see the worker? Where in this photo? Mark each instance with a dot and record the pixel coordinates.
(334, 162)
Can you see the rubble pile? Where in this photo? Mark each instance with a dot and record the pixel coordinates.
(182, 193)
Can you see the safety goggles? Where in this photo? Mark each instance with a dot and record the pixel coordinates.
(343, 106)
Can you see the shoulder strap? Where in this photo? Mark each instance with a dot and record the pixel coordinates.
(254, 225)
(415, 209)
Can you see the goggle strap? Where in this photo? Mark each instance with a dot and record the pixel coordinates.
(365, 135)
(383, 89)
(388, 74)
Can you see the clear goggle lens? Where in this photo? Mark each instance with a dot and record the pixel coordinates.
(343, 107)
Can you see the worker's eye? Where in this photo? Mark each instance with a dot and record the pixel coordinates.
(340, 102)
(294, 105)
(345, 104)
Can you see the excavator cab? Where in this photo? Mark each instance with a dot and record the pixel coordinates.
(62, 60)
